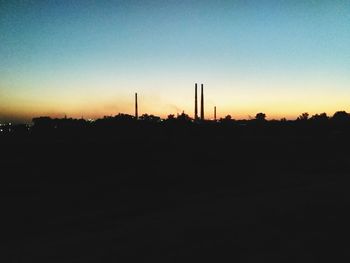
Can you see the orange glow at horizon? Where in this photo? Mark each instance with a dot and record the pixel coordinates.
(240, 107)
(92, 98)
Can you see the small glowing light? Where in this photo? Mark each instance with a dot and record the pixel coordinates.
(1, 130)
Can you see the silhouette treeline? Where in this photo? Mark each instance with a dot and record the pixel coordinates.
(246, 190)
(126, 123)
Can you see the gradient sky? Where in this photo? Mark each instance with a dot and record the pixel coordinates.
(87, 58)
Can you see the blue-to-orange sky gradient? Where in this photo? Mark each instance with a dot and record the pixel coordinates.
(87, 58)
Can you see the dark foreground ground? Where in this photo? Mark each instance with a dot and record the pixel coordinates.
(175, 198)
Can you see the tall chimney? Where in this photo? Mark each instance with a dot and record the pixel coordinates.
(136, 109)
(214, 113)
(202, 103)
(195, 103)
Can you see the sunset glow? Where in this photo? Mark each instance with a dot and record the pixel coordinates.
(87, 58)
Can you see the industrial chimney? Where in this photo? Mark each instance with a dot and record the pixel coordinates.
(136, 109)
(195, 103)
(202, 103)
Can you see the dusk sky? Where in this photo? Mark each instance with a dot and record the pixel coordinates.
(87, 58)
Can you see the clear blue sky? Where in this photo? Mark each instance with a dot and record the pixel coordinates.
(87, 58)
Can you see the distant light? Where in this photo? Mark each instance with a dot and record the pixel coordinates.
(1, 130)
(10, 123)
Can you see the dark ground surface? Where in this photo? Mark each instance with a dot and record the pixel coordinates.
(187, 198)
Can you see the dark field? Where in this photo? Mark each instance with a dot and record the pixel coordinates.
(184, 196)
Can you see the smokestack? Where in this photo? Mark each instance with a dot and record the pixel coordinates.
(195, 103)
(202, 103)
(214, 113)
(136, 109)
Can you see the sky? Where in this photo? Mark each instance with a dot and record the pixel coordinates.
(88, 58)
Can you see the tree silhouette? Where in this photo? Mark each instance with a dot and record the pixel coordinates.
(183, 117)
(303, 117)
(171, 117)
(341, 116)
(260, 116)
(123, 117)
(226, 119)
(149, 118)
(320, 117)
